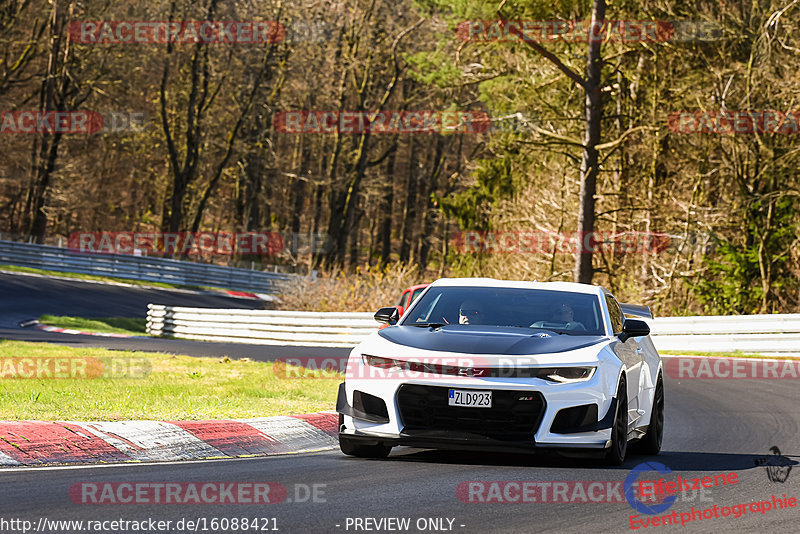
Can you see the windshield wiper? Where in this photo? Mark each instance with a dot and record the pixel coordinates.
(559, 332)
(427, 325)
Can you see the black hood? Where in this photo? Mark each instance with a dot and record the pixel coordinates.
(479, 339)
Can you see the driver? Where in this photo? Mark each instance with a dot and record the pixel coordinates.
(470, 312)
(565, 314)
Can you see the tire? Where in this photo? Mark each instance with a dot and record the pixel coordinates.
(651, 441)
(619, 432)
(357, 448)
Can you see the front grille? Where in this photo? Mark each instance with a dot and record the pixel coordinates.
(425, 408)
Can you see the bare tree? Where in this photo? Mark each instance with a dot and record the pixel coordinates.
(593, 108)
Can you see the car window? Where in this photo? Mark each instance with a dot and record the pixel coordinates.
(560, 311)
(423, 313)
(615, 313)
(402, 300)
(417, 293)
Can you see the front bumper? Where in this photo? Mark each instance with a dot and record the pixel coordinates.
(468, 442)
(363, 422)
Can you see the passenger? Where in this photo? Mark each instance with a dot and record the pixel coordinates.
(471, 312)
(565, 314)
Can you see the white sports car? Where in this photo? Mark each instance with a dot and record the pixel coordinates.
(477, 363)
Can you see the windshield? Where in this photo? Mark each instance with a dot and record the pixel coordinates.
(559, 311)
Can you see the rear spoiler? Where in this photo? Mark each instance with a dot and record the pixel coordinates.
(636, 310)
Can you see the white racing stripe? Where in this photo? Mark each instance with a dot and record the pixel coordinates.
(292, 433)
(7, 460)
(152, 441)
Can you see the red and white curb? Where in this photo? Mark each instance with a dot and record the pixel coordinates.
(253, 296)
(72, 331)
(35, 443)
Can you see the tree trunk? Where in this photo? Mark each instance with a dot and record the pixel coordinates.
(317, 248)
(386, 211)
(429, 212)
(52, 96)
(584, 272)
(354, 236)
(410, 213)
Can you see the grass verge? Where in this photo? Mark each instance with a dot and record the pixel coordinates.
(176, 388)
(113, 325)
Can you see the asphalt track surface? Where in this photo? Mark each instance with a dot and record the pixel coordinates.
(25, 297)
(712, 427)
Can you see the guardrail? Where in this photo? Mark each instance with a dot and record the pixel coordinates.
(746, 333)
(260, 326)
(777, 333)
(146, 268)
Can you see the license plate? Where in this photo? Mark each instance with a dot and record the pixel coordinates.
(470, 399)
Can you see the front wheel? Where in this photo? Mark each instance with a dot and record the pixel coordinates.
(357, 448)
(619, 432)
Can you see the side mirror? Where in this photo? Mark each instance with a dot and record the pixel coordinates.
(633, 328)
(388, 315)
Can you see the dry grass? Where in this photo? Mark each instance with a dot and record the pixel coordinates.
(336, 291)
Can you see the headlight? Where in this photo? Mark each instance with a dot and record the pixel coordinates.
(567, 374)
(392, 365)
(381, 363)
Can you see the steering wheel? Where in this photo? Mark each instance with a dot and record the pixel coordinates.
(572, 325)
